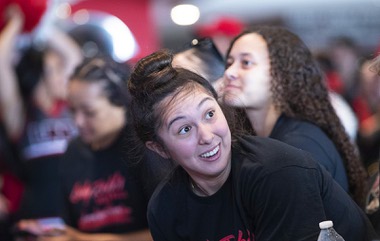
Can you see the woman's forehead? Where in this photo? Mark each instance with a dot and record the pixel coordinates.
(249, 44)
(181, 102)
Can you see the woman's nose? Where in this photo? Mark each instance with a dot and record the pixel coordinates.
(230, 73)
(205, 134)
(78, 119)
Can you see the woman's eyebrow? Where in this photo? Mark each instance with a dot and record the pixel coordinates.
(199, 105)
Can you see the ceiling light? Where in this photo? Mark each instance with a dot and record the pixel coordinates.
(185, 14)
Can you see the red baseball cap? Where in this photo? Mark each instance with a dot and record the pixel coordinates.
(228, 26)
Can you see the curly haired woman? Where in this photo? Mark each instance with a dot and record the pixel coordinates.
(271, 74)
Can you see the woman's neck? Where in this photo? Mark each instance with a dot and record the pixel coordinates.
(105, 141)
(42, 98)
(208, 187)
(264, 120)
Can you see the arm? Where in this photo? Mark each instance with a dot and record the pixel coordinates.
(11, 102)
(66, 47)
(4, 202)
(143, 235)
(69, 233)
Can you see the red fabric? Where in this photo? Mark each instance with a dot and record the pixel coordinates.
(361, 109)
(334, 82)
(12, 189)
(58, 107)
(225, 26)
(33, 11)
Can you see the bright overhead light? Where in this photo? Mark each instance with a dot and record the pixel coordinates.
(124, 43)
(185, 14)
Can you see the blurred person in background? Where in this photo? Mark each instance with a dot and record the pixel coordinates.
(273, 76)
(369, 137)
(334, 84)
(203, 57)
(104, 194)
(369, 131)
(345, 55)
(34, 111)
(10, 187)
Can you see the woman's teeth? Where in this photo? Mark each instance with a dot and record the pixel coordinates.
(211, 153)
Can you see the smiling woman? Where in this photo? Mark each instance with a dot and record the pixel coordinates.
(227, 186)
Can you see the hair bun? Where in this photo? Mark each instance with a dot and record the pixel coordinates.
(150, 73)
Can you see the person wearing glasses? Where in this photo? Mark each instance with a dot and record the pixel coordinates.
(227, 186)
(271, 74)
(104, 194)
(202, 57)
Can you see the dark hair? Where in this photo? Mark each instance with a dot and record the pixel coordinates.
(29, 70)
(293, 69)
(105, 70)
(343, 41)
(153, 79)
(212, 60)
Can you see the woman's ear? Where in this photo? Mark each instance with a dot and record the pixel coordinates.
(158, 148)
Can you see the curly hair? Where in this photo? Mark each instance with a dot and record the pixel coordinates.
(299, 91)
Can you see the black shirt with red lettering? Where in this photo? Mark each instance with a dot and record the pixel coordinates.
(274, 192)
(102, 193)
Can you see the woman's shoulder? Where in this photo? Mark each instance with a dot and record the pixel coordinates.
(76, 154)
(272, 154)
(75, 144)
(306, 136)
(290, 129)
(265, 163)
(169, 191)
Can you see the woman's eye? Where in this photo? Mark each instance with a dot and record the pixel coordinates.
(246, 63)
(228, 64)
(210, 114)
(184, 130)
(89, 113)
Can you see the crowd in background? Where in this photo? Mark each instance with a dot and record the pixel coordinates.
(64, 136)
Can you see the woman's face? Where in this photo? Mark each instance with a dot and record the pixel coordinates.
(96, 118)
(196, 135)
(54, 77)
(247, 79)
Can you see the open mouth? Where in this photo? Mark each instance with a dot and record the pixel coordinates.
(211, 153)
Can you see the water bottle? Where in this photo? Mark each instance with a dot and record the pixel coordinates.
(328, 233)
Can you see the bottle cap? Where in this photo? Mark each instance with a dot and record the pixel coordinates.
(325, 224)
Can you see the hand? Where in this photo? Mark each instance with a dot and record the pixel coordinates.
(4, 207)
(35, 227)
(14, 13)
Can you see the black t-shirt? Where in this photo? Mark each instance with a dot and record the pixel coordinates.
(101, 192)
(274, 192)
(309, 137)
(44, 140)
